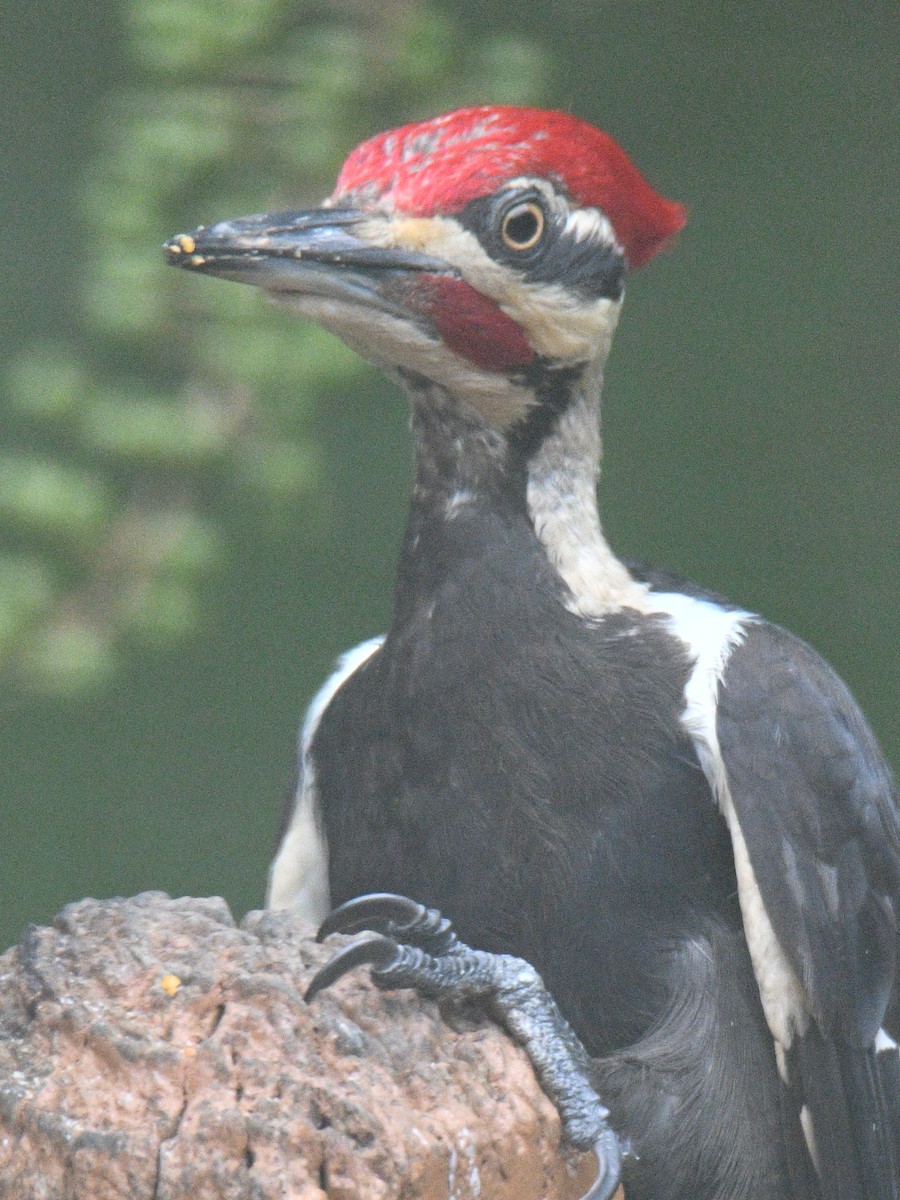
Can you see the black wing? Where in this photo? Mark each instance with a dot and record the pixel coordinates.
(816, 804)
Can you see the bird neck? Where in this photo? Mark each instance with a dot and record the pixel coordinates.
(536, 481)
(561, 499)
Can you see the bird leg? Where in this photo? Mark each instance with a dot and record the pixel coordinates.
(409, 945)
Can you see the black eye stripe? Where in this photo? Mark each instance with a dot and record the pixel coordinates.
(594, 269)
(488, 216)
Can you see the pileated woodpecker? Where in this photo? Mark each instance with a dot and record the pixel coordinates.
(673, 809)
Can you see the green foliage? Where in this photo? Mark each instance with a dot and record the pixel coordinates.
(181, 390)
(51, 497)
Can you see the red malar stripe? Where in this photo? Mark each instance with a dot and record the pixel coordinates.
(471, 325)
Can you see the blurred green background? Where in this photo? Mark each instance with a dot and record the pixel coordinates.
(201, 500)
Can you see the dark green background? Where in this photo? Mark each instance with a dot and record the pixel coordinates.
(749, 424)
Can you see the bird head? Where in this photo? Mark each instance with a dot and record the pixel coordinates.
(479, 252)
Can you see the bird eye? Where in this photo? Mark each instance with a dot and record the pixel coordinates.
(523, 226)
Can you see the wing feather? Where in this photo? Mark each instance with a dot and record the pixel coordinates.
(817, 807)
(814, 820)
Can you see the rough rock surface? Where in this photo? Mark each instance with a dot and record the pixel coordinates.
(151, 1049)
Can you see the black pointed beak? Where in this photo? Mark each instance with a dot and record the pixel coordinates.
(320, 252)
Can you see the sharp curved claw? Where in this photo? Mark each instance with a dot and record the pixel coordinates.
(369, 948)
(377, 910)
(609, 1167)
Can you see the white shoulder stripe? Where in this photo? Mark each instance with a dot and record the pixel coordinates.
(710, 634)
(298, 876)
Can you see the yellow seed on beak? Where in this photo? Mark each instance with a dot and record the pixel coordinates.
(187, 243)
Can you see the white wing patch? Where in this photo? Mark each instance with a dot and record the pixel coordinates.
(711, 633)
(298, 876)
(885, 1044)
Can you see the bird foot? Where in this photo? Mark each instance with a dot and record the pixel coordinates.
(409, 945)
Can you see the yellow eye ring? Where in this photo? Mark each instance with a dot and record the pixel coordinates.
(523, 226)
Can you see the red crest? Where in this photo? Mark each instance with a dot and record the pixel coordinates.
(436, 167)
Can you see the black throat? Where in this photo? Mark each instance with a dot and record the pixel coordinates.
(471, 479)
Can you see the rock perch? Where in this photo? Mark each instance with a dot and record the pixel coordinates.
(152, 1049)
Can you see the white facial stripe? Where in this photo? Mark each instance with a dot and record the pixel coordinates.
(393, 342)
(558, 325)
(561, 494)
(298, 876)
